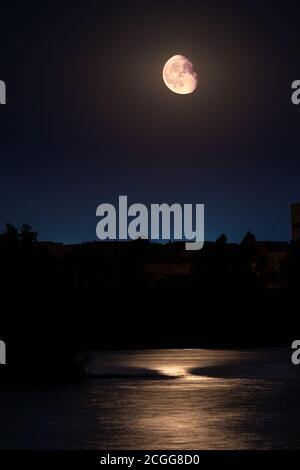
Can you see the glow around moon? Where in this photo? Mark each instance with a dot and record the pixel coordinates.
(179, 75)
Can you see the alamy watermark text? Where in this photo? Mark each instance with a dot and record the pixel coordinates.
(183, 222)
(2, 352)
(2, 92)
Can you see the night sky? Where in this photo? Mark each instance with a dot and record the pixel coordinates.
(89, 118)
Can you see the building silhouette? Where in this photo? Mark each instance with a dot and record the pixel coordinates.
(295, 212)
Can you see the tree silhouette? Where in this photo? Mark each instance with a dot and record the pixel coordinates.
(11, 233)
(222, 239)
(27, 235)
(249, 239)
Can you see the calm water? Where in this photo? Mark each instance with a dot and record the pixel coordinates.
(163, 399)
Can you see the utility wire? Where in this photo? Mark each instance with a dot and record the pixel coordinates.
(277, 223)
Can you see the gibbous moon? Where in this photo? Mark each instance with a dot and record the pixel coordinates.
(179, 75)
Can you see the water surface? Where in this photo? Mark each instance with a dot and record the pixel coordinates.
(163, 399)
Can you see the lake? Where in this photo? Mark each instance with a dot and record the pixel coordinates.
(162, 399)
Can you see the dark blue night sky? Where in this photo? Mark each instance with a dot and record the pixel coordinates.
(88, 116)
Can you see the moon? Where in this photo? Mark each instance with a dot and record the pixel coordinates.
(179, 75)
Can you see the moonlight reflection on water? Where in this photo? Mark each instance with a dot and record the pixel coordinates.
(163, 399)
